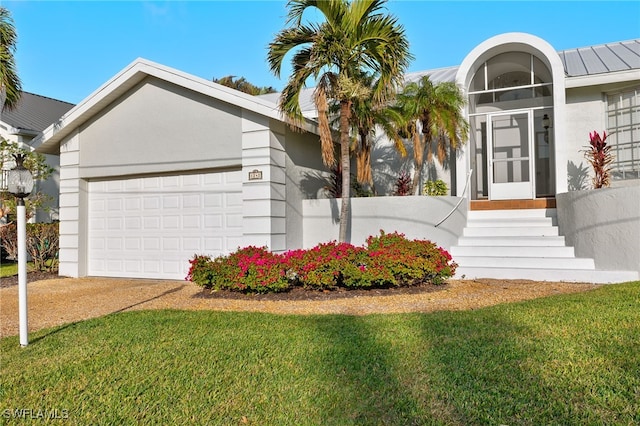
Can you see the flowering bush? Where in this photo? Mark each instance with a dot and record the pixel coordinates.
(387, 260)
(250, 270)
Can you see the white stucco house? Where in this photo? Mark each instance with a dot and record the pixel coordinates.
(157, 165)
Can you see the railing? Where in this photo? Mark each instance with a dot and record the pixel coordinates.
(4, 180)
(466, 185)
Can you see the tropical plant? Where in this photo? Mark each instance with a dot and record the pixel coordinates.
(433, 120)
(435, 187)
(10, 84)
(352, 40)
(599, 155)
(403, 184)
(243, 85)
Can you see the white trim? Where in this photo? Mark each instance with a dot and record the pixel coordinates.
(522, 42)
(134, 73)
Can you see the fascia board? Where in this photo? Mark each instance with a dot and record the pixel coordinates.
(131, 75)
(601, 79)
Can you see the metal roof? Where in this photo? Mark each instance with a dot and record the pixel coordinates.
(34, 113)
(603, 58)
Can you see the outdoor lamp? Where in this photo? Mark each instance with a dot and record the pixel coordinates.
(546, 123)
(20, 184)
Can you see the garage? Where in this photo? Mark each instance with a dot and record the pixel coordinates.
(149, 227)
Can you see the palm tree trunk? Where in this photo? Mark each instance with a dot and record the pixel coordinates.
(418, 157)
(345, 214)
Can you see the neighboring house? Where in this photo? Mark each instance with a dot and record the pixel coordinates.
(158, 165)
(32, 115)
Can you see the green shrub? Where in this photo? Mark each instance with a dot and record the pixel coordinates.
(388, 260)
(42, 243)
(435, 187)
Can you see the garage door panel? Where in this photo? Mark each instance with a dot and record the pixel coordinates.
(150, 227)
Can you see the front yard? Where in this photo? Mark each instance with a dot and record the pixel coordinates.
(568, 359)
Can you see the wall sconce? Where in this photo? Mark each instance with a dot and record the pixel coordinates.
(546, 122)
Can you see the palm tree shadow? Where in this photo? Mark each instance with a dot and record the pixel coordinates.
(360, 363)
(72, 324)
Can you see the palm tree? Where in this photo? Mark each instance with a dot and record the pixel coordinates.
(10, 85)
(433, 120)
(354, 39)
(365, 119)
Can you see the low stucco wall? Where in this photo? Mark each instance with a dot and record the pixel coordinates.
(603, 224)
(414, 216)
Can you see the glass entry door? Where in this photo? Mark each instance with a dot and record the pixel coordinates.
(510, 165)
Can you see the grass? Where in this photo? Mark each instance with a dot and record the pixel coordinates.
(8, 268)
(565, 360)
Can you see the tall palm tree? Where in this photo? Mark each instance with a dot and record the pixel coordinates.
(353, 39)
(433, 120)
(10, 85)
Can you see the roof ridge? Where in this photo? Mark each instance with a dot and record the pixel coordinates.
(47, 97)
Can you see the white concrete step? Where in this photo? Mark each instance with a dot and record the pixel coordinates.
(511, 240)
(526, 262)
(532, 231)
(510, 223)
(511, 214)
(544, 274)
(523, 244)
(513, 251)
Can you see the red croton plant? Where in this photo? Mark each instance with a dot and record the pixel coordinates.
(599, 156)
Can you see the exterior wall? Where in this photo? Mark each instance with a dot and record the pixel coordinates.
(603, 224)
(305, 179)
(160, 127)
(263, 153)
(73, 211)
(414, 216)
(585, 113)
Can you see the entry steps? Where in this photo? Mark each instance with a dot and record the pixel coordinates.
(523, 244)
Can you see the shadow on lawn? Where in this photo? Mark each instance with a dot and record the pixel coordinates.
(126, 308)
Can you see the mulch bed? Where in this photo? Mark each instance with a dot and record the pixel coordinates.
(31, 277)
(300, 293)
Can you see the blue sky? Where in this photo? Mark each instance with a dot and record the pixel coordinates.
(67, 49)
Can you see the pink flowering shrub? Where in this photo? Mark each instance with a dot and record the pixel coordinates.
(387, 260)
(250, 270)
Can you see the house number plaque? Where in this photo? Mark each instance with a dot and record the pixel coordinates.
(255, 175)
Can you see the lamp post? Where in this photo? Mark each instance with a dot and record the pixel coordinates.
(20, 184)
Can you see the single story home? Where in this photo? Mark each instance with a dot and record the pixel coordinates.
(157, 165)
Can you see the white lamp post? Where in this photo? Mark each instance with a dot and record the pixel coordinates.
(20, 184)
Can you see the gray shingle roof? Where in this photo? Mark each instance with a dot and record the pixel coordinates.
(35, 113)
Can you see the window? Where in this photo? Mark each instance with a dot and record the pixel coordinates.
(623, 123)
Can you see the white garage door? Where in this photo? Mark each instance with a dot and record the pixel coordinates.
(150, 227)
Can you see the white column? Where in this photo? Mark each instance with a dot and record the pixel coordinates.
(263, 183)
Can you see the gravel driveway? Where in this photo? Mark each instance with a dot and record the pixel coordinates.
(59, 301)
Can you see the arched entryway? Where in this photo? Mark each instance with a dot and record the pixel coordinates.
(512, 111)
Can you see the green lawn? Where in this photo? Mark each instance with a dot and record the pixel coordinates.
(8, 268)
(564, 360)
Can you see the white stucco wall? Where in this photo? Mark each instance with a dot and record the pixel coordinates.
(414, 216)
(603, 224)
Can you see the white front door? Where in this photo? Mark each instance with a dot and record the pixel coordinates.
(510, 164)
